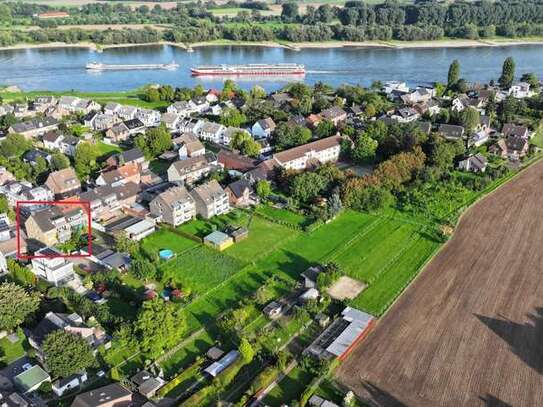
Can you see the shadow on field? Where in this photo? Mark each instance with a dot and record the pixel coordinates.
(380, 397)
(491, 401)
(295, 265)
(524, 340)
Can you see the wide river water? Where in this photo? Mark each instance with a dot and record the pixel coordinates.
(64, 68)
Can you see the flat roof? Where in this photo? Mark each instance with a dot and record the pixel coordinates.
(31, 378)
(217, 237)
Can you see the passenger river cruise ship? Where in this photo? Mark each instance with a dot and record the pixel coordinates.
(249, 69)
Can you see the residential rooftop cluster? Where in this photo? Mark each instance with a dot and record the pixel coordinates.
(127, 216)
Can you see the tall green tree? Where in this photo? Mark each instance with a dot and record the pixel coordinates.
(307, 186)
(508, 73)
(159, 326)
(454, 74)
(325, 129)
(364, 148)
(532, 79)
(263, 188)
(143, 269)
(246, 351)
(14, 145)
(245, 143)
(155, 141)
(15, 305)
(67, 353)
(470, 118)
(85, 159)
(59, 161)
(289, 12)
(286, 136)
(232, 117)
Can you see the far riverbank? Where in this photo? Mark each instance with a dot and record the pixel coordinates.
(444, 43)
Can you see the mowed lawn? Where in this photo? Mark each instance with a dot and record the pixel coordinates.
(396, 276)
(203, 227)
(165, 239)
(264, 238)
(9, 351)
(289, 388)
(386, 253)
(385, 256)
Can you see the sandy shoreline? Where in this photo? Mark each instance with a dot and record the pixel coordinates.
(293, 46)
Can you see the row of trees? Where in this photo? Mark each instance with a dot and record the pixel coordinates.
(254, 32)
(481, 13)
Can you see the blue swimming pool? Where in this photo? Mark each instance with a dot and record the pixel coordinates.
(165, 254)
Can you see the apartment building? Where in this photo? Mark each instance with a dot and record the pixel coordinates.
(174, 206)
(210, 199)
(318, 152)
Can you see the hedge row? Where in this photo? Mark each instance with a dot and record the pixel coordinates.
(181, 233)
(279, 221)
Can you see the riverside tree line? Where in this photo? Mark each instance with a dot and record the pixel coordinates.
(356, 21)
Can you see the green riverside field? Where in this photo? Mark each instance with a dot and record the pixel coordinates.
(385, 253)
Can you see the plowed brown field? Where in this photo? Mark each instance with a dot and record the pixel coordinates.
(469, 331)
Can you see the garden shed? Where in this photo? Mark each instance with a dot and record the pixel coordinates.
(218, 240)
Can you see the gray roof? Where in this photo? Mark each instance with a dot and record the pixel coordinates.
(208, 192)
(341, 334)
(121, 191)
(117, 260)
(267, 124)
(34, 124)
(451, 130)
(238, 187)
(478, 161)
(217, 367)
(173, 195)
(332, 113)
(190, 164)
(211, 127)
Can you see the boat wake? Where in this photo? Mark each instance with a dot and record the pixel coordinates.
(321, 72)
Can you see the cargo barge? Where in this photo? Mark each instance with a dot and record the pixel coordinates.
(95, 66)
(249, 69)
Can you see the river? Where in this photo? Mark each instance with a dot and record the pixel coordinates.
(64, 68)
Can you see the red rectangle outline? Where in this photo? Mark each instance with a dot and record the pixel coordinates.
(18, 226)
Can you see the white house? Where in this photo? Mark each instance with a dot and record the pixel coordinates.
(148, 117)
(112, 108)
(474, 163)
(65, 384)
(183, 108)
(171, 120)
(66, 144)
(55, 270)
(263, 128)
(190, 126)
(405, 115)
(323, 150)
(210, 199)
(521, 90)
(391, 86)
(127, 112)
(212, 131)
(201, 104)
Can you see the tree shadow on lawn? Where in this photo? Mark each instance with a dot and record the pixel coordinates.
(189, 358)
(295, 264)
(525, 340)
